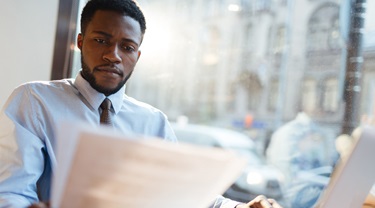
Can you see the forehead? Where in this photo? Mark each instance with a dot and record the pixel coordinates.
(114, 24)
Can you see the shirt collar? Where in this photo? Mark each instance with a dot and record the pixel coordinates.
(95, 98)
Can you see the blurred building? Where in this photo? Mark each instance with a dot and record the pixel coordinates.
(223, 61)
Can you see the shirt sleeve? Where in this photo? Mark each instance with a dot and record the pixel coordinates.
(222, 202)
(21, 152)
(165, 130)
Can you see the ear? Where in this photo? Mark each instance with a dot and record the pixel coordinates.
(80, 41)
(139, 54)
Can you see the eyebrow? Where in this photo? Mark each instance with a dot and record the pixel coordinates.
(110, 36)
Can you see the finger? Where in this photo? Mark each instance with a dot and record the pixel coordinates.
(265, 203)
(40, 205)
(274, 203)
(260, 202)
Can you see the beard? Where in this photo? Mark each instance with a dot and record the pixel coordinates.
(87, 74)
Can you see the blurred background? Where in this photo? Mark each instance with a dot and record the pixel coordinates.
(269, 79)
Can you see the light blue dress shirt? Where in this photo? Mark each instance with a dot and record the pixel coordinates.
(29, 121)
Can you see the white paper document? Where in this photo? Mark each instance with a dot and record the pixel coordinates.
(353, 177)
(104, 169)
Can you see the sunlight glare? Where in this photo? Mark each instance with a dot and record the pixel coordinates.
(234, 8)
(158, 37)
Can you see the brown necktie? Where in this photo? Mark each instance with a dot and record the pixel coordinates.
(105, 117)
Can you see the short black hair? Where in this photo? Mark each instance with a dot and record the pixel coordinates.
(125, 7)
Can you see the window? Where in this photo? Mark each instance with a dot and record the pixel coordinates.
(273, 95)
(323, 29)
(330, 98)
(280, 40)
(246, 66)
(309, 96)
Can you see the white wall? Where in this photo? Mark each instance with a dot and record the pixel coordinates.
(27, 35)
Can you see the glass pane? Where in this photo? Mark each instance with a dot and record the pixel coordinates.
(271, 73)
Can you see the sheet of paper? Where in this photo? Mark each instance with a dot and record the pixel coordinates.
(109, 170)
(353, 177)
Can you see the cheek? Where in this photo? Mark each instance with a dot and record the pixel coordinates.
(91, 56)
(129, 61)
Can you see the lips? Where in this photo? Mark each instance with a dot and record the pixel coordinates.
(109, 69)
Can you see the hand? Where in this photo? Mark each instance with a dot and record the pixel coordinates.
(40, 205)
(260, 202)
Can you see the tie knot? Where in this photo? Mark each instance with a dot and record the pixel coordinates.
(106, 104)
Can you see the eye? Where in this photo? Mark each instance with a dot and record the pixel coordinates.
(101, 41)
(128, 48)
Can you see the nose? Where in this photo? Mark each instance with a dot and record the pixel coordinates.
(111, 54)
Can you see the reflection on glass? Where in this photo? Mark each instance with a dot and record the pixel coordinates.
(253, 67)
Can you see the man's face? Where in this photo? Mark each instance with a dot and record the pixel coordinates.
(110, 50)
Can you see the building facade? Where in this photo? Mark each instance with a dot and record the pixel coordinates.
(248, 64)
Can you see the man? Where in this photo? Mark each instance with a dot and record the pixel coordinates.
(111, 34)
